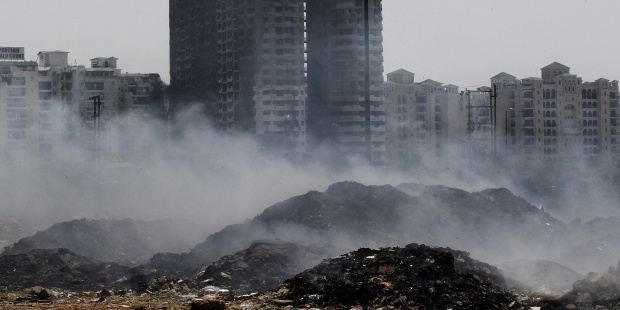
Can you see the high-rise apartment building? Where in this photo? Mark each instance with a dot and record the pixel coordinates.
(256, 51)
(261, 71)
(425, 121)
(19, 106)
(194, 55)
(253, 63)
(558, 116)
(345, 76)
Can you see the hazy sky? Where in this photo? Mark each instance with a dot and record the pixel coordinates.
(452, 41)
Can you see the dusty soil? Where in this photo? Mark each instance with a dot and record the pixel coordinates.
(168, 299)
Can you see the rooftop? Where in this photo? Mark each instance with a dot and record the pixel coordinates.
(556, 66)
(504, 75)
(56, 51)
(18, 63)
(431, 82)
(400, 71)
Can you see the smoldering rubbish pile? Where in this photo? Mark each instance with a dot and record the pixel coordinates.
(416, 276)
(280, 258)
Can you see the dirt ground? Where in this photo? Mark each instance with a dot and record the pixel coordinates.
(89, 300)
(169, 299)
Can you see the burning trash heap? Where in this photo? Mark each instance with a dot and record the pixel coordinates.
(278, 258)
(416, 276)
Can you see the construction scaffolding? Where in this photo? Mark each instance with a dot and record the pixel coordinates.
(481, 124)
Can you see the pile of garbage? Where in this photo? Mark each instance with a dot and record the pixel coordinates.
(59, 268)
(494, 225)
(413, 277)
(261, 267)
(596, 291)
(595, 242)
(545, 277)
(350, 215)
(129, 242)
(347, 215)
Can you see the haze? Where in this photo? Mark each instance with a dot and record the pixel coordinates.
(218, 180)
(454, 42)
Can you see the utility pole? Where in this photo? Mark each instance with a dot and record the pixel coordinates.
(470, 128)
(493, 107)
(506, 133)
(506, 136)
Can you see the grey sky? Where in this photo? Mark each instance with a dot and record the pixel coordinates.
(451, 41)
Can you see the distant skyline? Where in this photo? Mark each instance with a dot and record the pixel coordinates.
(450, 41)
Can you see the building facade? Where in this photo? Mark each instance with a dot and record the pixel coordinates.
(254, 60)
(256, 50)
(261, 71)
(425, 121)
(19, 109)
(194, 55)
(47, 109)
(558, 116)
(142, 115)
(345, 76)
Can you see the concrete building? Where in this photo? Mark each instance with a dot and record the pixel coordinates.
(142, 115)
(261, 71)
(47, 110)
(425, 121)
(345, 97)
(19, 110)
(255, 50)
(194, 55)
(557, 116)
(72, 90)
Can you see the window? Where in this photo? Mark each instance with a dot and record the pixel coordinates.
(45, 96)
(17, 92)
(14, 81)
(93, 85)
